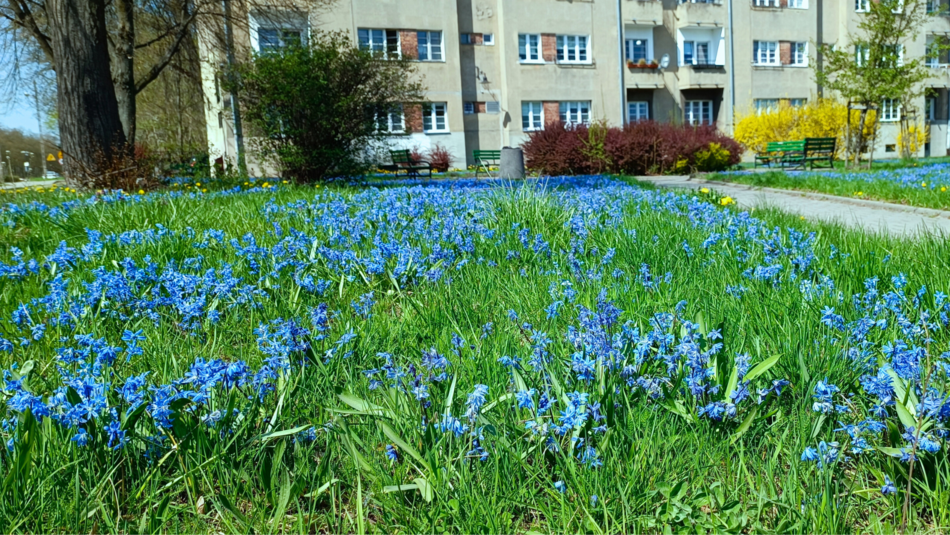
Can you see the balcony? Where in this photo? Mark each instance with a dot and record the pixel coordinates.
(643, 76)
(701, 14)
(702, 76)
(643, 12)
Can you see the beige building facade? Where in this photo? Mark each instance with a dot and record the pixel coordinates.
(495, 70)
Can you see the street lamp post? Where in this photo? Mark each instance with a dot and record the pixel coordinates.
(26, 162)
(39, 124)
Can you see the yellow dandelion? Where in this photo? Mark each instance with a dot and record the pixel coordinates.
(704, 190)
(141, 192)
(204, 190)
(726, 201)
(943, 188)
(923, 184)
(198, 184)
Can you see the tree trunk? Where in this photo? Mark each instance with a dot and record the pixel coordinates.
(90, 128)
(123, 67)
(859, 136)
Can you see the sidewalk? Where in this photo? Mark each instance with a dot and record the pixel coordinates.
(875, 216)
(28, 184)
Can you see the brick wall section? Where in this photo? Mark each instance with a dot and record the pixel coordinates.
(552, 111)
(479, 107)
(409, 43)
(413, 113)
(783, 3)
(549, 47)
(785, 52)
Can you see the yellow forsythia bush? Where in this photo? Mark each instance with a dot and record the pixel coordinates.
(713, 158)
(913, 138)
(818, 118)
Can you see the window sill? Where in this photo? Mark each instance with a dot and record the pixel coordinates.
(576, 65)
(429, 60)
(532, 62)
(436, 132)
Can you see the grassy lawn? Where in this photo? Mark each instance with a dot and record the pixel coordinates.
(927, 185)
(577, 355)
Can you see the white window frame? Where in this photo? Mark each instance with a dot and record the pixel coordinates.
(281, 23)
(766, 105)
(694, 55)
(638, 110)
(468, 108)
(890, 110)
(630, 43)
(425, 45)
(529, 48)
(379, 41)
(797, 4)
(765, 53)
(797, 102)
(394, 122)
(766, 3)
(576, 45)
(699, 112)
(431, 113)
(862, 53)
(488, 39)
(800, 53)
(574, 112)
(532, 116)
(862, 6)
(930, 109)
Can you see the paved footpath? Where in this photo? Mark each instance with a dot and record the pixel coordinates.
(875, 216)
(28, 184)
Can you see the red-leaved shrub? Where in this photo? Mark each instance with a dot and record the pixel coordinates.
(642, 148)
(440, 158)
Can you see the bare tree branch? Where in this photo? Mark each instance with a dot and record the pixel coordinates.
(170, 52)
(24, 17)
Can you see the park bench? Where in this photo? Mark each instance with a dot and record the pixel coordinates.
(485, 159)
(819, 150)
(782, 153)
(403, 161)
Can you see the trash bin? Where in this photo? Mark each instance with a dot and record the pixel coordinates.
(512, 163)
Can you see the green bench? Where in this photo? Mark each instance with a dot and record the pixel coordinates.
(819, 151)
(782, 153)
(485, 159)
(403, 161)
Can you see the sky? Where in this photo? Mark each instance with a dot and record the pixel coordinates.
(18, 115)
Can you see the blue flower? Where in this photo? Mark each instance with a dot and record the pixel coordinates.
(391, 453)
(888, 487)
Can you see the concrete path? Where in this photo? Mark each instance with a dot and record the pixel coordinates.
(28, 184)
(874, 216)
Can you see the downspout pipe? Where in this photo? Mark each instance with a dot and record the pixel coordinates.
(732, 69)
(620, 70)
(235, 104)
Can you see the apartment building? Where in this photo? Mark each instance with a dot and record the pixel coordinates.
(496, 70)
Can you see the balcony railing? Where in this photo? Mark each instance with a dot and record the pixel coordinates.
(708, 65)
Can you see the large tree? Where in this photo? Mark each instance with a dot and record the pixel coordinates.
(93, 47)
(871, 66)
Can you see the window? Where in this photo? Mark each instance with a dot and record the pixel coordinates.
(275, 38)
(933, 6)
(638, 111)
(890, 110)
(765, 105)
(493, 106)
(430, 46)
(932, 59)
(637, 49)
(391, 121)
(931, 109)
(465, 38)
(800, 54)
(765, 52)
(434, 117)
(798, 4)
(384, 42)
(696, 53)
(766, 3)
(575, 112)
(862, 6)
(529, 47)
(468, 108)
(861, 54)
(572, 49)
(698, 112)
(532, 116)
(488, 39)
(797, 102)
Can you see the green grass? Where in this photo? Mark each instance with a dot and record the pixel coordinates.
(858, 185)
(662, 471)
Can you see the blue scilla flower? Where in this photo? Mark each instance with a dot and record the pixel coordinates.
(475, 401)
(888, 487)
(824, 393)
(525, 398)
(560, 486)
(363, 306)
(117, 438)
(391, 453)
